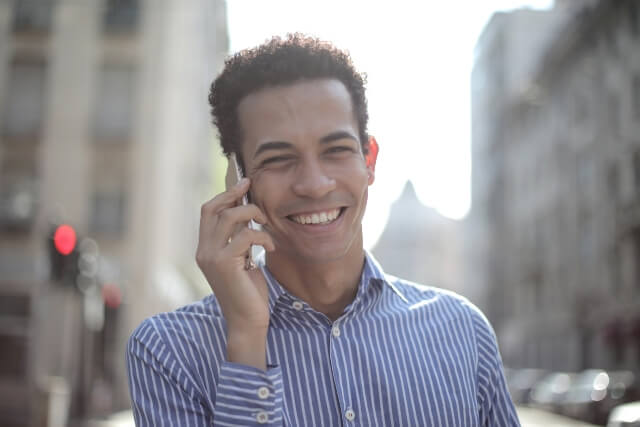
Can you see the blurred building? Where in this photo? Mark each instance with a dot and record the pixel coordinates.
(104, 125)
(420, 245)
(506, 56)
(555, 220)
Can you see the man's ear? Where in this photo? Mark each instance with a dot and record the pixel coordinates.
(371, 158)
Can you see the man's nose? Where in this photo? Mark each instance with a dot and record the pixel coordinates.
(313, 181)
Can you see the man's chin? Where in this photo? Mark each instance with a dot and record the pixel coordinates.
(314, 255)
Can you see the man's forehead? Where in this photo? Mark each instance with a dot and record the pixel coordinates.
(314, 103)
(305, 88)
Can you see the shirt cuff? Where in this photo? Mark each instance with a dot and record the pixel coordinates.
(248, 396)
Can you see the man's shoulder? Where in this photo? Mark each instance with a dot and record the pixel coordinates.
(185, 346)
(197, 318)
(448, 304)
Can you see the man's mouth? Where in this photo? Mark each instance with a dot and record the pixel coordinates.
(317, 218)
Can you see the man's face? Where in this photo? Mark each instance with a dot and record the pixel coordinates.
(308, 175)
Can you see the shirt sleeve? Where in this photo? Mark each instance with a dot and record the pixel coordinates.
(248, 396)
(163, 392)
(496, 406)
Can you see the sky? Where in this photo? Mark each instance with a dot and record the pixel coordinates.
(418, 58)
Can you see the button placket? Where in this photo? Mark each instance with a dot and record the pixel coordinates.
(336, 348)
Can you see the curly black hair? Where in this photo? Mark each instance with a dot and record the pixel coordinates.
(280, 62)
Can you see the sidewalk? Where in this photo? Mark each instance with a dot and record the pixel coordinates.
(530, 417)
(120, 419)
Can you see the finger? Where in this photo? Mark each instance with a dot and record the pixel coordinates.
(210, 210)
(242, 242)
(226, 199)
(230, 219)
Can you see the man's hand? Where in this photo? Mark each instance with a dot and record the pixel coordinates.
(224, 240)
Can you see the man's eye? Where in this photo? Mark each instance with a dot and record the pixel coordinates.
(275, 160)
(339, 149)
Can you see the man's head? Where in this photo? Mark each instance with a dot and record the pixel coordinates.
(281, 62)
(294, 112)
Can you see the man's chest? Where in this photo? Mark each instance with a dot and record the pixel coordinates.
(376, 372)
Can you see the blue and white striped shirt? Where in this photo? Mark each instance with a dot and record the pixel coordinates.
(400, 355)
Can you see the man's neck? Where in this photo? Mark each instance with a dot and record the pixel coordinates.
(328, 287)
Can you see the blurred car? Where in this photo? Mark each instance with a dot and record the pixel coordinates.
(595, 392)
(624, 387)
(549, 393)
(625, 415)
(521, 382)
(588, 389)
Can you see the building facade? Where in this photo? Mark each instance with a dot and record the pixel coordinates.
(420, 245)
(556, 185)
(104, 125)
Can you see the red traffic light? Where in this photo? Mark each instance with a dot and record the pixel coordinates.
(64, 239)
(112, 295)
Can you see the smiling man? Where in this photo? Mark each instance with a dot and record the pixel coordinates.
(318, 334)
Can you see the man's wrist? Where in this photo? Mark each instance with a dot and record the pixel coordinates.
(247, 347)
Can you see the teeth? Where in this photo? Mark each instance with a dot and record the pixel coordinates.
(317, 218)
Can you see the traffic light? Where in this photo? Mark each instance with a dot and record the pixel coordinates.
(112, 295)
(88, 264)
(63, 254)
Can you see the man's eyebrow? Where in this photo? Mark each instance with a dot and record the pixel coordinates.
(272, 145)
(334, 136)
(283, 145)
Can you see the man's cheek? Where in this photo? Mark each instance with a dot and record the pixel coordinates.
(259, 202)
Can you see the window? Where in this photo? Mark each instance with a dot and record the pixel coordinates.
(114, 103)
(23, 110)
(17, 203)
(121, 16)
(32, 15)
(14, 335)
(580, 109)
(636, 170)
(13, 363)
(585, 173)
(613, 181)
(587, 239)
(615, 274)
(635, 93)
(633, 14)
(614, 114)
(18, 190)
(635, 236)
(108, 212)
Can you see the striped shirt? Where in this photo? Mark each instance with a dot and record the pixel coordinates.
(401, 354)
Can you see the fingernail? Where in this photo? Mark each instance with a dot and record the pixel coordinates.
(242, 182)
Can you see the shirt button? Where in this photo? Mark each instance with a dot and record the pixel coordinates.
(297, 305)
(335, 331)
(263, 392)
(262, 417)
(350, 415)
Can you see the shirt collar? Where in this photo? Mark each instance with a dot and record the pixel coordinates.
(374, 270)
(371, 273)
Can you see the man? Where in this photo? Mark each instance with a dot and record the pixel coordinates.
(318, 334)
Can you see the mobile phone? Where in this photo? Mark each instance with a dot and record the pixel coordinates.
(233, 176)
